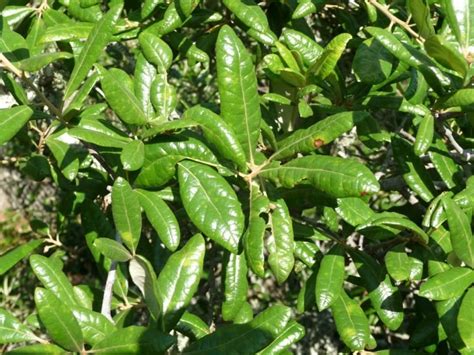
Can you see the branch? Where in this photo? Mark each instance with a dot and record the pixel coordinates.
(385, 10)
(465, 154)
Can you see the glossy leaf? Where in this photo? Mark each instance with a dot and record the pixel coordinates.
(144, 75)
(218, 133)
(447, 284)
(465, 321)
(424, 135)
(126, 213)
(156, 51)
(463, 98)
(446, 54)
(460, 231)
(235, 286)
(444, 164)
(12, 120)
(12, 330)
(38, 349)
(402, 267)
(334, 176)
(112, 249)
(351, 322)
(99, 132)
(192, 326)
(353, 210)
(97, 40)
(395, 222)
(133, 155)
(59, 320)
(330, 279)
(420, 12)
(372, 62)
(237, 85)
(290, 335)
(281, 244)
(161, 218)
(67, 32)
(163, 97)
(39, 61)
(12, 257)
(211, 204)
(178, 281)
(95, 326)
(53, 278)
(319, 134)
(121, 98)
(458, 14)
(299, 42)
(330, 56)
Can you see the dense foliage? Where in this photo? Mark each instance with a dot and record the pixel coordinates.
(224, 169)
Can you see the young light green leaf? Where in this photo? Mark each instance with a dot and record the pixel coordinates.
(97, 40)
(305, 46)
(281, 244)
(460, 231)
(112, 249)
(463, 98)
(58, 320)
(335, 176)
(133, 155)
(235, 286)
(319, 134)
(178, 281)
(447, 284)
(326, 63)
(149, 6)
(211, 204)
(156, 51)
(12, 257)
(120, 96)
(126, 213)
(237, 85)
(218, 133)
(134, 340)
(351, 322)
(161, 218)
(49, 349)
(424, 135)
(53, 278)
(330, 279)
(12, 330)
(465, 321)
(12, 120)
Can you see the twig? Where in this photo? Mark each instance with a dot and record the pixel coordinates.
(394, 19)
(109, 285)
(465, 154)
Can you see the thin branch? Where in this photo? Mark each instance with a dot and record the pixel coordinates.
(465, 154)
(394, 19)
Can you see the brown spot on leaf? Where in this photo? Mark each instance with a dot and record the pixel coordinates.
(363, 193)
(318, 143)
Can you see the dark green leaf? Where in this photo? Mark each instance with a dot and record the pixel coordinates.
(235, 286)
(133, 155)
(12, 257)
(465, 321)
(330, 279)
(12, 120)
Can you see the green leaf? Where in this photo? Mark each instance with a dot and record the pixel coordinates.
(248, 338)
(59, 320)
(161, 218)
(235, 286)
(162, 127)
(289, 336)
(134, 340)
(447, 284)
(237, 85)
(126, 213)
(156, 51)
(211, 204)
(218, 133)
(281, 243)
(463, 98)
(351, 322)
(372, 62)
(192, 326)
(249, 13)
(14, 88)
(100, 132)
(12, 120)
(112, 249)
(133, 155)
(53, 278)
(446, 54)
(383, 295)
(254, 245)
(465, 321)
(95, 326)
(327, 62)
(97, 40)
(459, 17)
(67, 32)
(303, 9)
(460, 231)
(420, 11)
(319, 134)
(121, 98)
(353, 210)
(144, 75)
(424, 135)
(179, 280)
(49, 349)
(39, 61)
(149, 6)
(12, 330)
(446, 167)
(143, 276)
(305, 46)
(402, 267)
(335, 176)
(163, 97)
(330, 279)
(12, 257)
